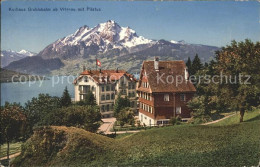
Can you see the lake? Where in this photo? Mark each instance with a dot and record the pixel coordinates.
(21, 92)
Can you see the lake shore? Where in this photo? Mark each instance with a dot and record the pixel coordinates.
(8, 76)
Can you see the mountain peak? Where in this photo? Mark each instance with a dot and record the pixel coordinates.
(104, 36)
(111, 21)
(26, 53)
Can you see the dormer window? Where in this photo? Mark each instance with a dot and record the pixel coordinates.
(86, 79)
(145, 85)
(166, 97)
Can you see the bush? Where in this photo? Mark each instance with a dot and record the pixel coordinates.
(126, 116)
(175, 120)
(86, 117)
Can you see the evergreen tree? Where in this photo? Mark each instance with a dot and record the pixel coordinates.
(196, 65)
(206, 65)
(188, 65)
(66, 99)
(90, 99)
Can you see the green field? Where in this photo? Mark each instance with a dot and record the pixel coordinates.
(232, 120)
(189, 145)
(14, 148)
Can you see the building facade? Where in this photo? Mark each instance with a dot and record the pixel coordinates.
(163, 90)
(106, 85)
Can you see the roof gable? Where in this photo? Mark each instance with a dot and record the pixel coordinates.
(106, 76)
(169, 78)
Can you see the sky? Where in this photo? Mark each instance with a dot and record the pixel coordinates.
(198, 22)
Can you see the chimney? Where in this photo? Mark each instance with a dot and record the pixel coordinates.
(84, 68)
(117, 70)
(100, 70)
(186, 74)
(105, 78)
(156, 64)
(100, 78)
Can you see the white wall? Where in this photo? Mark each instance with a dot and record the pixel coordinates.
(144, 119)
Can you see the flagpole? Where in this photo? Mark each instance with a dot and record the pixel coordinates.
(96, 62)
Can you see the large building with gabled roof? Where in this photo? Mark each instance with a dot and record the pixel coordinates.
(164, 90)
(106, 85)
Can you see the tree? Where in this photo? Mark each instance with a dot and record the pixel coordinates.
(126, 116)
(236, 85)
(120, 104)
(12, 121)
(86, 117)
(66, 99)
(38, 110)
(236, 60)
(90, 99)
(196, 65)
(188, 65)
(201, 108)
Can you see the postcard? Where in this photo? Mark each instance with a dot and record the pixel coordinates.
(130, 83)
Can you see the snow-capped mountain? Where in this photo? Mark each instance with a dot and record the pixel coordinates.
(99, 39)
(106, 35)
(115, 46)
(27, 53)
(8, 56)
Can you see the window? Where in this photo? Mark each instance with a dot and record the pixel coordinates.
(166, 97)
(133, 85)
(103, 89)
(112, 96)
(108, 97)
(112, 106)
(93, 88)
(86, 79)
(112, 87)
(108, 88)
(178, 110)
(102, 108)
(103, 97)
(159, 122)
(183, 97)
(107, 107)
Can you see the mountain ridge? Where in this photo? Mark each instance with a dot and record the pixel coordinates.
(115, 47)
(8, 56)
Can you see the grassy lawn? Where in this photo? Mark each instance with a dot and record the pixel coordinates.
(235, 118)
(120, 136)
(14, 148)
(190, 145)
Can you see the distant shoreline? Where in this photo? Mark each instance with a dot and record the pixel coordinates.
(8, 76)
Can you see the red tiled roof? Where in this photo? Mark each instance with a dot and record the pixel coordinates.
(167, 70)
(112, 75)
